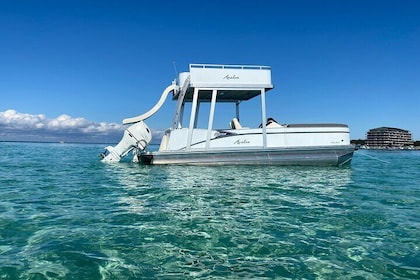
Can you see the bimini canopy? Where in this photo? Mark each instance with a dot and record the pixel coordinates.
(233, 82)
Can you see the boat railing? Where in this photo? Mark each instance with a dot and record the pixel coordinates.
(221, 66)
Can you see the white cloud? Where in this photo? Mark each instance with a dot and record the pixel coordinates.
(16, 126)
(14, 119)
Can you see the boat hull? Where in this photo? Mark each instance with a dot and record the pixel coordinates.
(319, 156)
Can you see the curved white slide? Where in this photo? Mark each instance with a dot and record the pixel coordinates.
(155, 108)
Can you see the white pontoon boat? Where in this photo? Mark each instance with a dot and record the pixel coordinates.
(270, 143)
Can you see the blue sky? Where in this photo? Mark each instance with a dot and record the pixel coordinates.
(71, 69)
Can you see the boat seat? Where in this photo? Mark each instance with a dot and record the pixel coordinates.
(234, 124)
(272, 123)
(164, 142)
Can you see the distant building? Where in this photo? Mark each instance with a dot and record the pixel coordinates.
(388, 137)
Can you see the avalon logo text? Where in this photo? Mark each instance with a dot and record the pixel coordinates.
(231, 77)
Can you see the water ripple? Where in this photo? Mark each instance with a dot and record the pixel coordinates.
(64, 215)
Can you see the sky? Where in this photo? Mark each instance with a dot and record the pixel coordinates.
(73, 70)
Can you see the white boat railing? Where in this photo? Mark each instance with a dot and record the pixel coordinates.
(221, 66)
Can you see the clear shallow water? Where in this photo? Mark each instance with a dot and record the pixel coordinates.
(65, 215)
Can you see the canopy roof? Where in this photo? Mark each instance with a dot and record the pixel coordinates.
(232, 82)
(223, 95)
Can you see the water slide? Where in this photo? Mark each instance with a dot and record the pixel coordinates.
(155, 108)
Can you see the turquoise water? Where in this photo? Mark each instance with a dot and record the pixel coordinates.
(65, 215)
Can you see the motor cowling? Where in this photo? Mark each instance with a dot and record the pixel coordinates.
(136, 136)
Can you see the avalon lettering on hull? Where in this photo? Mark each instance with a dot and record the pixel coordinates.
(239, 142)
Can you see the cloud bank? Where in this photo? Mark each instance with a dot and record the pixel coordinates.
(15, 126)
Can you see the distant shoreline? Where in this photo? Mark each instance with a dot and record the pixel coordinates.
(63, 142)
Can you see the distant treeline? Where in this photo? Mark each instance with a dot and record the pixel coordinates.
(358, 142)
(364, 142)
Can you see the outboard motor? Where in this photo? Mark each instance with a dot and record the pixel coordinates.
(136, 136)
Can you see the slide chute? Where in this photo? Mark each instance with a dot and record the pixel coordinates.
(155, 108)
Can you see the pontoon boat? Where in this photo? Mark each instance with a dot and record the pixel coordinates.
(269, 143)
